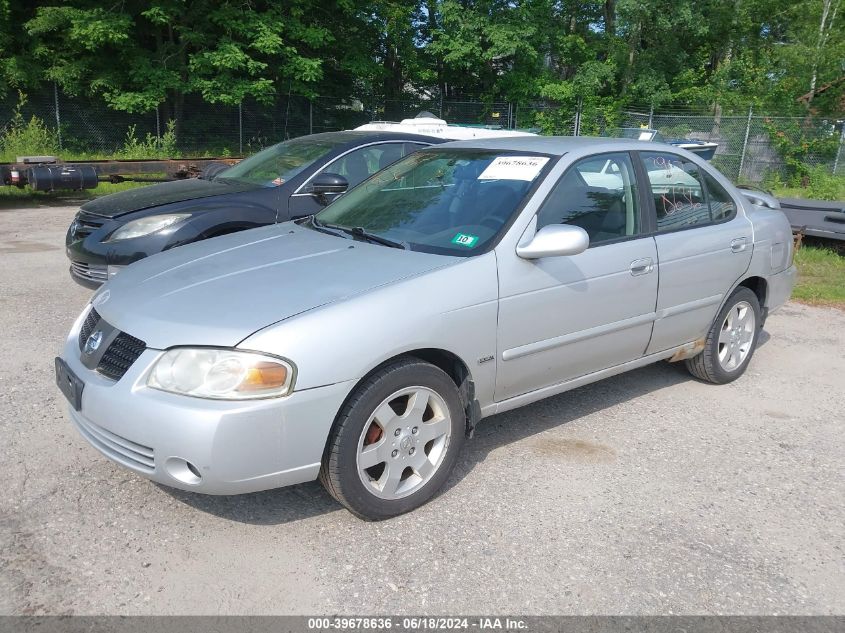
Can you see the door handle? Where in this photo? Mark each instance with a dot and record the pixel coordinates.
(642, 266)
(738, 244)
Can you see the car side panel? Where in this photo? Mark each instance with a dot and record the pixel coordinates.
(772, 257)
(696, 269)
(220, 220)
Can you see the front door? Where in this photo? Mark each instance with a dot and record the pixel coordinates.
(565, 317)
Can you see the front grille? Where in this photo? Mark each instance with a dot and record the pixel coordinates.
(86, 223)
(87, 327)
(92, 272)
(116, 447)
(120, 355)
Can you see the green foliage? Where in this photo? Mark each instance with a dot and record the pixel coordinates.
(799, 146)
(818, 184)
(151, 146)
(26, 137)
(139, 55)
(823, 185)
(821, 276)
(722, 55)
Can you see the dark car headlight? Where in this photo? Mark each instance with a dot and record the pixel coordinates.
(146, 226)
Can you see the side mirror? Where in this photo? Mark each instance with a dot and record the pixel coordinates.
(555, 240)
(328, 183)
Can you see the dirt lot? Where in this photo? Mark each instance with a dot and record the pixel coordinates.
(645, 493)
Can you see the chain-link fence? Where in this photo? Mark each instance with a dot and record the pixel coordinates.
(549, 118)
(751, 148)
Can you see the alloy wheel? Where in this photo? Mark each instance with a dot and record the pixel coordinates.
(736, 336)
(403, 442)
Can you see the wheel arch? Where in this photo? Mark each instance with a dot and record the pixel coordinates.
(216, 220)
(213, 231)
(452, 364)
(217, 231)
(759, 285)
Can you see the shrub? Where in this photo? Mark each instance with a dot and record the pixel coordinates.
(797, 144)
(26, 138)
(151, 146)
(823, 185)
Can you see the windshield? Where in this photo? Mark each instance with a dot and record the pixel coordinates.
(276, 165)
(452, 202)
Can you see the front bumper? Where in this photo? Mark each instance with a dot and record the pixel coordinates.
(209, 446)
(88, 275)
(90, 254)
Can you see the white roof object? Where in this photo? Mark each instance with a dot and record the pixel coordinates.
(431, 126)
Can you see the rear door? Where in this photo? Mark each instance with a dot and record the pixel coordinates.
(703, 246)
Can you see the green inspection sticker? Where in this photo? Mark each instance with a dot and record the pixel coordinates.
(465, 240)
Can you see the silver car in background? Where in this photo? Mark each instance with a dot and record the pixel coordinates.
(363, 345)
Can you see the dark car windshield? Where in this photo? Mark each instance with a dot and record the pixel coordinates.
(276, 165)
(452, 202)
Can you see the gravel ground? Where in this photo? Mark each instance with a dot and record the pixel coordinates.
(645, 493)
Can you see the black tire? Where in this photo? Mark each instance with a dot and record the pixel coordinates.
(706, 366)
(339, 470)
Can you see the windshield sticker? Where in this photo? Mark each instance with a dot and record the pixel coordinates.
(514, 168)
(465, 240)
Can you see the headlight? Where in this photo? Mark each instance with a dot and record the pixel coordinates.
(222, 374)
(145, 226)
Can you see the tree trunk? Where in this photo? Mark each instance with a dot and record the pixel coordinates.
(174, 106)
(438, 62)
(829, 10)
(610, 18)
(633, 46)
(392, 85)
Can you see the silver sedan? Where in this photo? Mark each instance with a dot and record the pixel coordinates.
(363, 345)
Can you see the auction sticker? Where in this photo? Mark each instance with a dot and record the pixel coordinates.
(465, 240)
(514, 168)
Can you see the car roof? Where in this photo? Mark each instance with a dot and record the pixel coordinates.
(560, 145)
(356, 137)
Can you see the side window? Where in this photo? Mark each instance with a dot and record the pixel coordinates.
(722, 206)
(676, 186)
(599, 194)
(360, 164)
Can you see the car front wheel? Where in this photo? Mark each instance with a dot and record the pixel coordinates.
(731, 340)
(395, 441)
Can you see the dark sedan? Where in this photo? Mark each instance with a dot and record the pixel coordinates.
(286, 181)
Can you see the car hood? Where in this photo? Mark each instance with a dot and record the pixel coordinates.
(219, 291)
(159, 194)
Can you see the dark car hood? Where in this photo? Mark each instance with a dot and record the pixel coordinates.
(162, 193)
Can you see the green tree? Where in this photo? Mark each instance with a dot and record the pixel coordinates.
(140, 54)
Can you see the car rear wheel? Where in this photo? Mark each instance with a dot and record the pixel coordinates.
(395, 441)
(731, 341)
